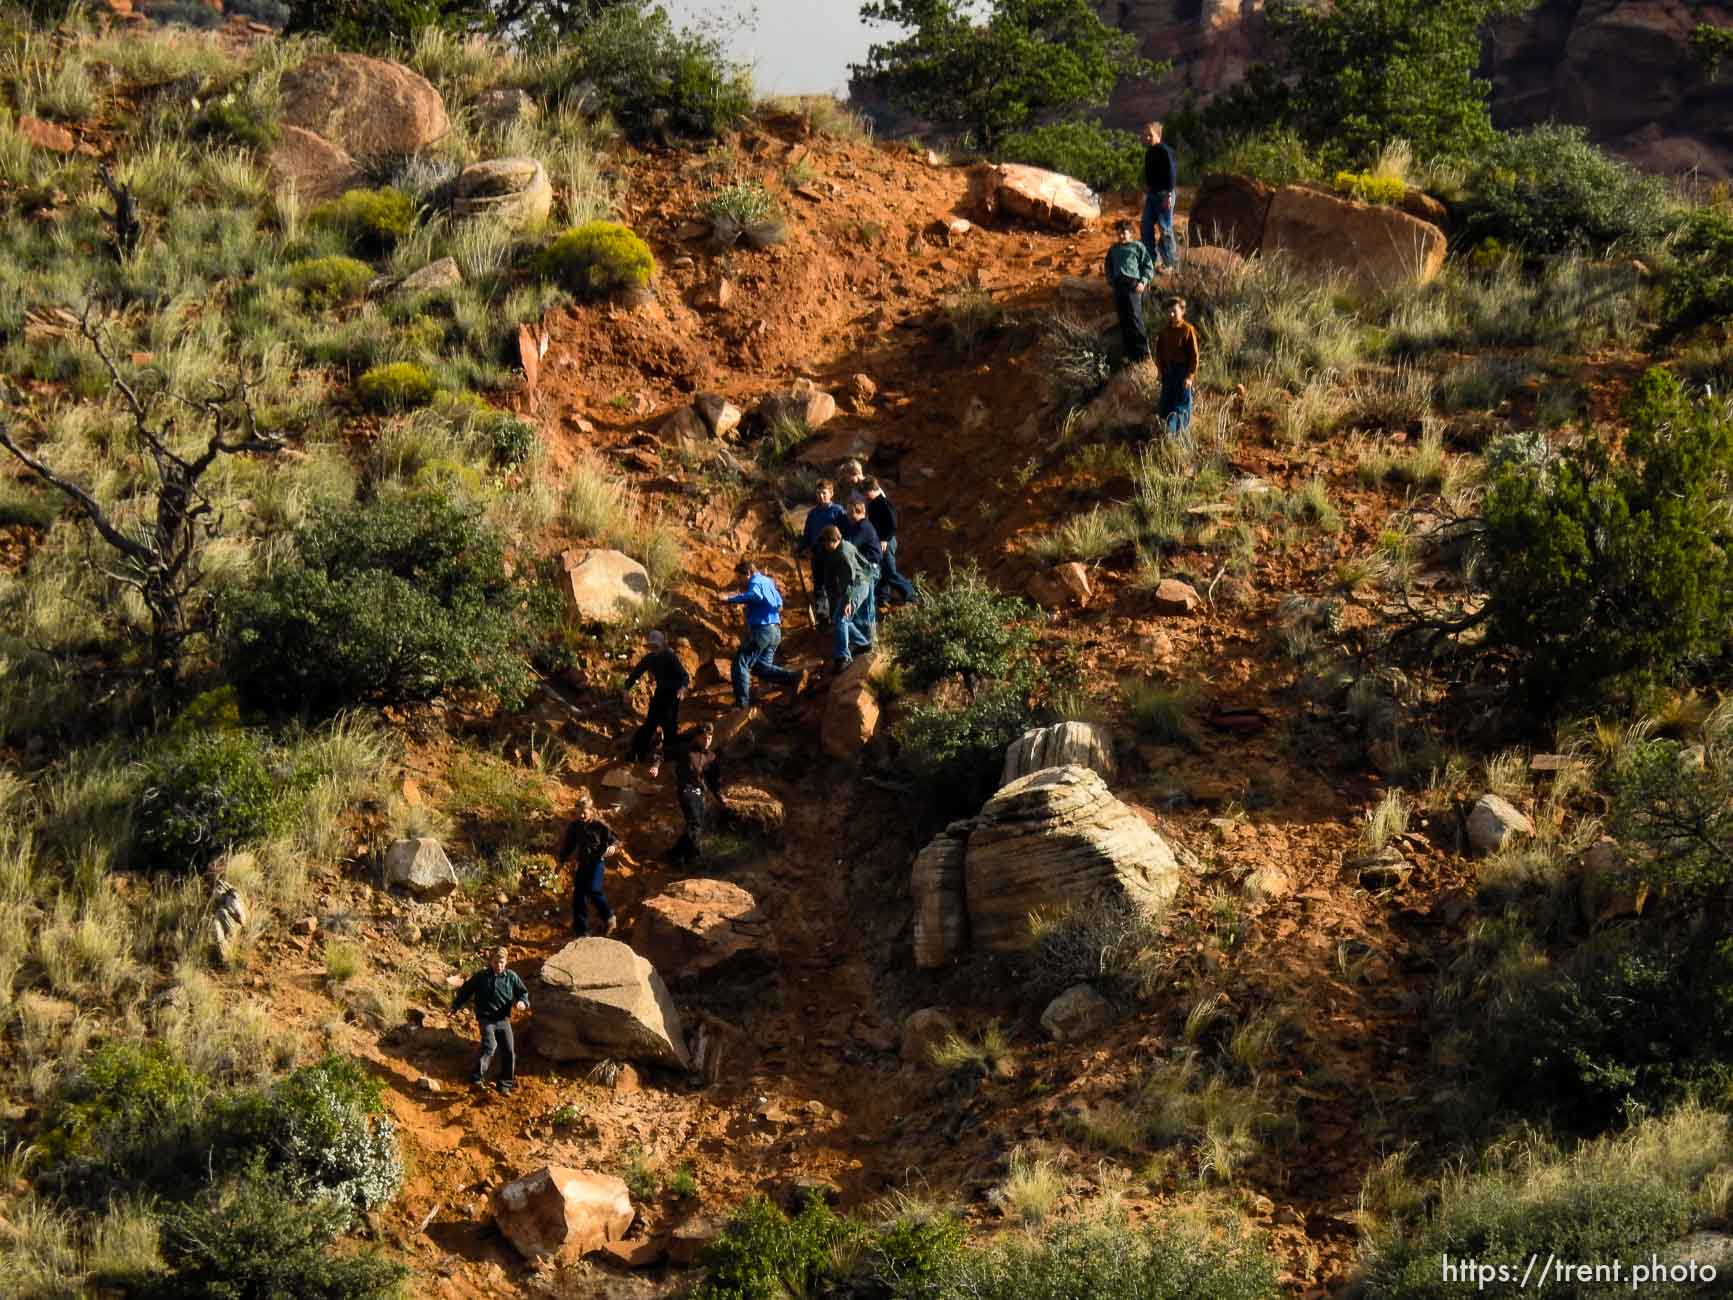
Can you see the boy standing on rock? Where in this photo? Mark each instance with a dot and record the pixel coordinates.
(1160, 184)
(825, 514)
(1176, 352)
(1129, 270)
(587, 844)
(497, 992)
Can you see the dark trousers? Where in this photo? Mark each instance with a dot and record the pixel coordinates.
(1128, 302)
(664, 713)
(757, 658)
(691, 844)
(496, 1036)
(587, 889)
(820, 602)
(891, 582)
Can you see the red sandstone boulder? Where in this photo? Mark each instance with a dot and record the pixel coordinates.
(553, 1214)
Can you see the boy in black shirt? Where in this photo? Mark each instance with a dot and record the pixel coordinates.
(1161, 186)
(883, 517)
(587, 845)
(671, 680)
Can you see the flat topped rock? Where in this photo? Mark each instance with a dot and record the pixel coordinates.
(599, 999)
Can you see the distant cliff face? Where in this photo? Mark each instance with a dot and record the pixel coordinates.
(1621, 68)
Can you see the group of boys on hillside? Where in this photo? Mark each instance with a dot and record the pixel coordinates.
(1132, 265)
(851, 550)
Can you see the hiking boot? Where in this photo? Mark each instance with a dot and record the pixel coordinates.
(799, 683)
(507, 1087)
(476, 1080)
(654, 770)
(613, 924)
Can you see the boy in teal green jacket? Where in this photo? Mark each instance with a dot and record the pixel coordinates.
(1129, 271)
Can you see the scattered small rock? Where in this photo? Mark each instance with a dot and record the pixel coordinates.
(1174, 598)
(1079, 1012)
(420, 865)
(1493, 821)
(922, 1031)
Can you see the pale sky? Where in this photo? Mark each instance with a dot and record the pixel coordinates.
(795, 47)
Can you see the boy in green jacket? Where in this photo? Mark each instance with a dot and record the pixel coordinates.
(1129, 270)
(497, 992)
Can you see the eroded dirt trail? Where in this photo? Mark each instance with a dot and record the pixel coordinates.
(811, 1085)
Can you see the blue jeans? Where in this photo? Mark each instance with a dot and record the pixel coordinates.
(849, 631)
(497, 1036)
(892, 583)
(757, 657)
(1175, 407)
(1158, 210)
(587, 890)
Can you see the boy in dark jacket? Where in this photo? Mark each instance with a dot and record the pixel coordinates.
(825, 513)
(1129, 269)
(697, 766)
(1160, 185)
(671, 680)
(883, 516)
(587, 844)
(497, 992)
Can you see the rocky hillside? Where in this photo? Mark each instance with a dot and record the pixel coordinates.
(1620, 68)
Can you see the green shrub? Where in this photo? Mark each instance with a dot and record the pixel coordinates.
(320, 1131)
(1617, 1023)
(252, 1237)
(1613, 570)
(1618, 1198)
(1110, 1260)
(397, 600)
(659, 83)
(1369, 188)
(398, 386)
(511, 441)
(1277, 156)
(967, 628)
(745, 204)
(372, 221)
(956, 752)
(118, 1093)
(1549, 190)
(1100, 157)
(1680, 809)
(232, 117)
(1700, 285)
(600, 258)
(216, 790)
(1077, 359)
(330, 281)
(763, 1254)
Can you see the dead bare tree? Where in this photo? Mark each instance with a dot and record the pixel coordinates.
(160, 558)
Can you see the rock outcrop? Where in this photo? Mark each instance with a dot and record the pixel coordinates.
(851, 710)
(1055, 837)
(1044, 198)
(701, 927)
(436, 277)
(602, 586)
(1622, 69)
(1230, 211)
(368, 107)
(941, 911)
(421, 867)
(1065, 744)
(1375, 247)
(598, 999)
(311, 166)
(513, 191)
(559, 1215)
